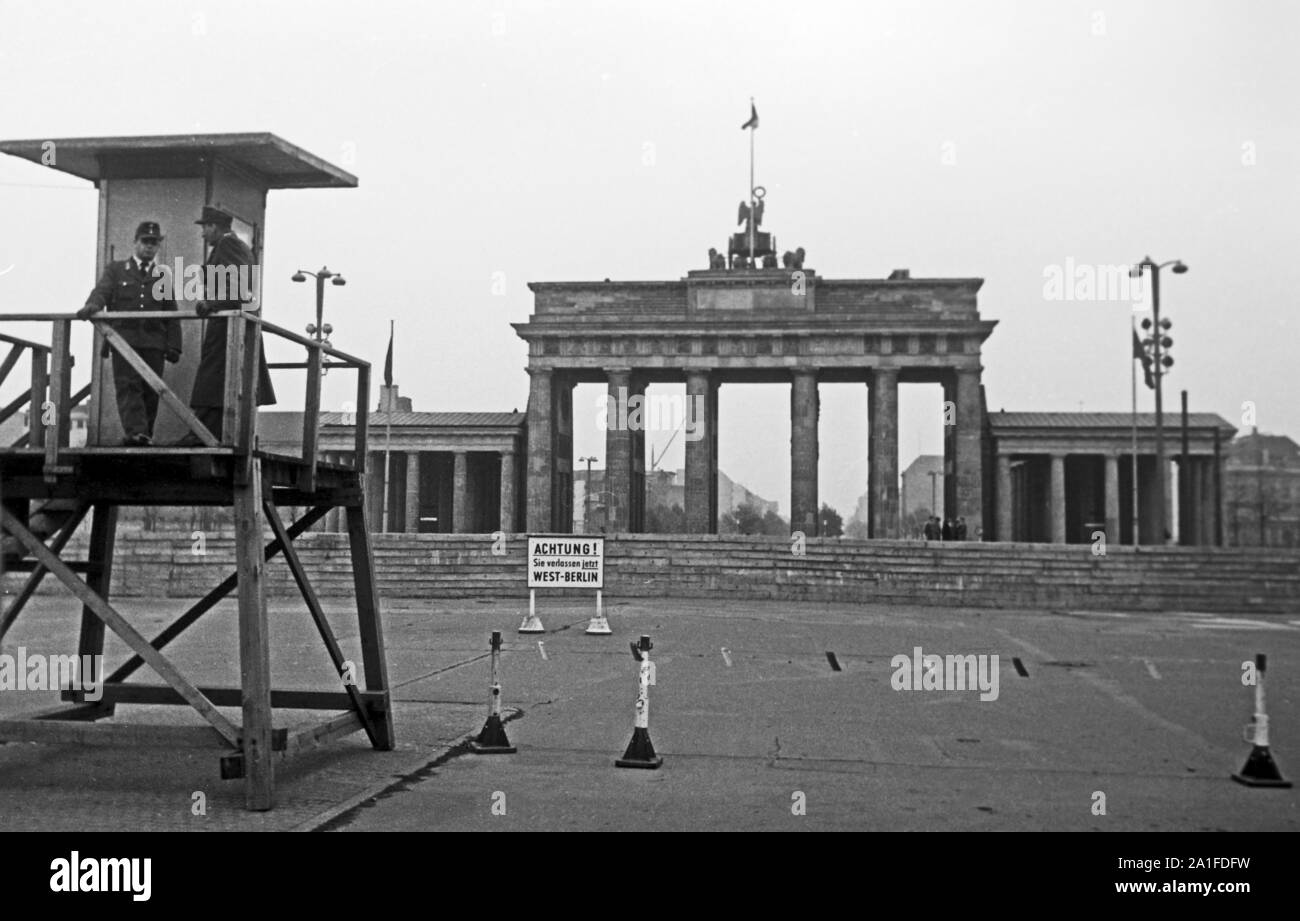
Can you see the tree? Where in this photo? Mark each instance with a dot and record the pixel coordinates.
(830, 522)
(748, 520)
(662, 519)
(774, 525)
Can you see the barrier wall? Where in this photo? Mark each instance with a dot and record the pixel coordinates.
(900, 572)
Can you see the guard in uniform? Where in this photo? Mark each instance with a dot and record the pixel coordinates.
(138, 284)
(210, 381)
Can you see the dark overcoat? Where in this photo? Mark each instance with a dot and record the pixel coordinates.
(125, 286)
(209, 382)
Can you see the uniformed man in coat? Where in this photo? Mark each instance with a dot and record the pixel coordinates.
(138, 284)
(210, 381)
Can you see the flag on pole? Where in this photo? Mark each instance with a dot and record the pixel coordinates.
(1140, 354)
(753, 117)
(388, 362)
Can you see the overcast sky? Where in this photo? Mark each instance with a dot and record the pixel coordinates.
(579, 141)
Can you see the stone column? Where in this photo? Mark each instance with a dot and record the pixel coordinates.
(412, 492)
(1112, 499)
(1056, 500)
(618, 451)
(1201, 503)
(804, 410)
(948, 494)
(460, 501)
(701, 461)
(1005, 497)
(508, 491)
(969, 460)
(882, 455)
(541, 463)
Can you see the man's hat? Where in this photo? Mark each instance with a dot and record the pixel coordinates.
(213, 215)
(148, 229)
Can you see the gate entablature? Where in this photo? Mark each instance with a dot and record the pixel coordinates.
(770, 324)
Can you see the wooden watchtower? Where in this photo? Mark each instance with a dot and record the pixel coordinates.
(47, 488)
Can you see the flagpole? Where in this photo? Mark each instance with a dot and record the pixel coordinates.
(752, 215)
(388, 438)
(1133, 368)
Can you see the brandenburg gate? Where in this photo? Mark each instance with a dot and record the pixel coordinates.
(746, 320)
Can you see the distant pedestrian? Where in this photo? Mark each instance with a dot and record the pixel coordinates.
(959, 530)
(947, 531)
(931, 530)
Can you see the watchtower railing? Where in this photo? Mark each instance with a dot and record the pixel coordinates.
(52, 368)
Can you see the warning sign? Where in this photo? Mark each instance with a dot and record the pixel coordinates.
(566, 562)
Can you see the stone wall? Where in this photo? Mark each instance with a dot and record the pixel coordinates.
(895, 572)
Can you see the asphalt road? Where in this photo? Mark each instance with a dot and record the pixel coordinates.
(1137, 714)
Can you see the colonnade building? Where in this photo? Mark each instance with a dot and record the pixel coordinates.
(1043, 477)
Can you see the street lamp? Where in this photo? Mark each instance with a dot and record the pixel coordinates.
(586, 494)
(320, 330)
(1156, 342)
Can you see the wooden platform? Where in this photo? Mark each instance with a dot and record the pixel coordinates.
(47, 489)
(171, 476)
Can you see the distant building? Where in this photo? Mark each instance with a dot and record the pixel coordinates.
(665, 490)
(922, 492)
(1261, 491)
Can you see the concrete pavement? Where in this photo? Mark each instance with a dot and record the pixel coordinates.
(1146, 709)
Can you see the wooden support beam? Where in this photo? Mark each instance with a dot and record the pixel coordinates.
(209, 601)
(362, 426)
(13, 406)
(15, 352)
(38, 573)
(161, 694)
(155, 383)
(103, 537)
(37, 396)
(254, 643)
(368, 622)
(311, 423)
(337, 728)
(318, 615)
(118, 625)
(233, 765)
(54, 424)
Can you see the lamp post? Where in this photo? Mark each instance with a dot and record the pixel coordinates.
(320, 330)
(586, 495)
(1156, 342)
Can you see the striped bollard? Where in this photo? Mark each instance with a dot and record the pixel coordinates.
(492, 740)
(1260, 770)
(641, 751)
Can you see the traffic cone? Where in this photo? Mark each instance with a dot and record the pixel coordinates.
(641, 751)
(492, 740)
(532, 623)
(1260, 770)
(599, 625)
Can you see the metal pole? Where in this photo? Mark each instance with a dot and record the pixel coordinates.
(1161, 487)
(1136, 507)
(1184, 484)
(320, 304)
(752, 215)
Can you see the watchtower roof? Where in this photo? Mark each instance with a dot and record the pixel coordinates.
(280, 164)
